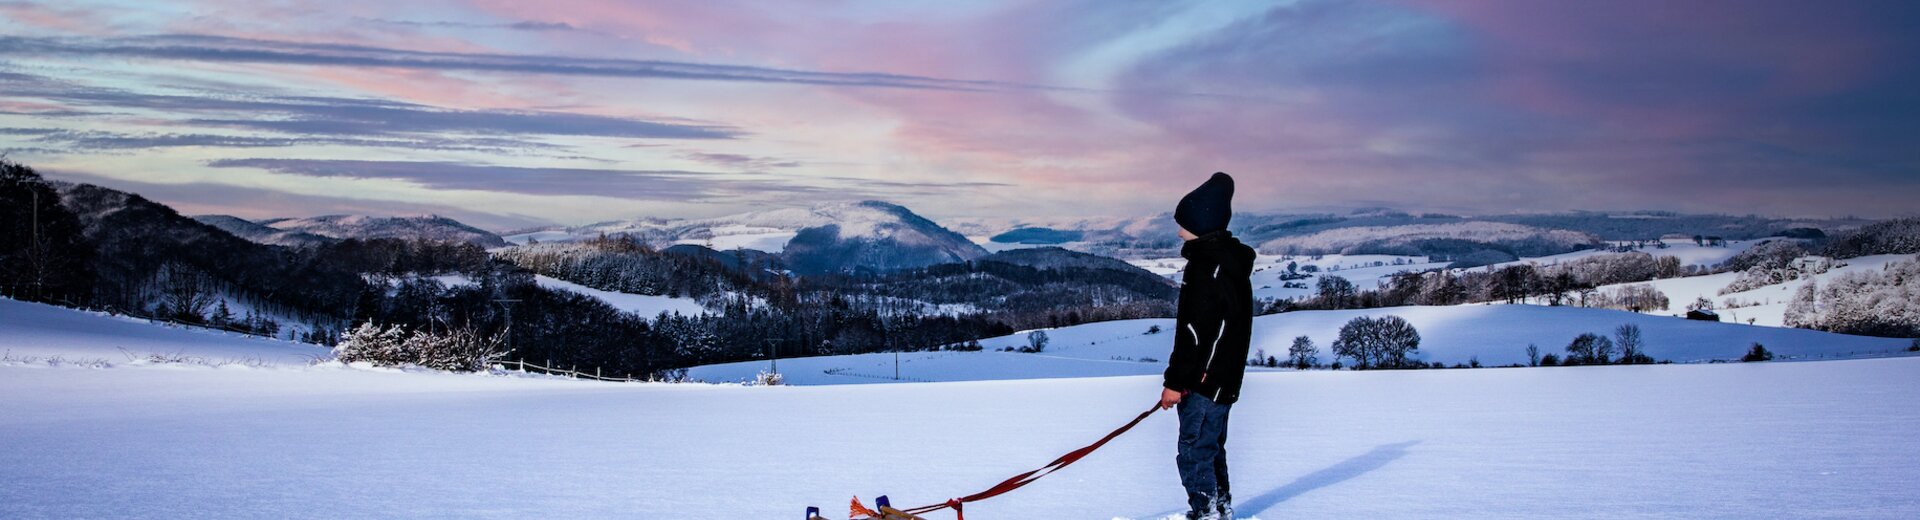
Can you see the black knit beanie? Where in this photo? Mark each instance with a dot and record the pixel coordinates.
(1208, 208)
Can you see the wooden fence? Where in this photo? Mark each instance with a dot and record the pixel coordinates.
(523, 366)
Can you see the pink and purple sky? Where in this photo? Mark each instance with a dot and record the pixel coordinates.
(509, 113)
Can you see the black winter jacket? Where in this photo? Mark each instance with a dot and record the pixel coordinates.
(1214, 325)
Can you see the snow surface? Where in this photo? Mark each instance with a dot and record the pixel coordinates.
(34, 330)
(1750, 440)
(731, 237)
(644, 305)
(1762, 440)
(988, 244)
(1495, 334)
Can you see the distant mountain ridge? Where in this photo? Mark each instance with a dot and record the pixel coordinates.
(1469, 239)
(826, 238)
(260, 234)
(1057, 258)
(326, 228)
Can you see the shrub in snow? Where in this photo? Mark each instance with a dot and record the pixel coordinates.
(1590, 349)
(458, 349)
(1036, 341)
(765, 378)
(1151, 330)
(1382, 342)
(672, 375)
(1550, 360)
(1757, 353)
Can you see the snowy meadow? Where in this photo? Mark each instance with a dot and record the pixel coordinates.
(288, 439)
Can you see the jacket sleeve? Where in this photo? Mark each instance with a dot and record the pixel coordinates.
(1196, 323)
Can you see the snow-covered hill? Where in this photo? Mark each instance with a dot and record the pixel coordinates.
(1765, 305)
(1362, 239)
(1494, 334)
(255, 232)
(427, 227)
(1814, 440)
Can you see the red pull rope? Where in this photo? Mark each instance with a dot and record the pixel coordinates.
(1023, 479)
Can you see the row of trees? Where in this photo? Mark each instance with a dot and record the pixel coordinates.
(1595, 349)
(1372, 343)
(1552, 285)
(1387, 342)
(1874, 303)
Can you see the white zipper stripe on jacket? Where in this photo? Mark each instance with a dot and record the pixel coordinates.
(1214, 350)
(1216, 338)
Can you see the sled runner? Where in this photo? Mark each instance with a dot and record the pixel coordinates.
(861, 512)
(885, 510)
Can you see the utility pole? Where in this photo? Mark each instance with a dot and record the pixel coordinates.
(773, 353)
(38, 252)
(896, 365)
(507, 303)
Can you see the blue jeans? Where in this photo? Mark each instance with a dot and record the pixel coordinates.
(1203, 451)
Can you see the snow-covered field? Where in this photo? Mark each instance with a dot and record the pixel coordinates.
(1826, 439)
(33, 330)
(1766, 440)
(728, 238)
(1495, 334)
(641, 304)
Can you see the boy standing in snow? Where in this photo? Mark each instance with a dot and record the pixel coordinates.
(1213, 327)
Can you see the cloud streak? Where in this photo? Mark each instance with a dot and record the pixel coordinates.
(204, 48)
(353, 117)
(97, 140)
(666, 185)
